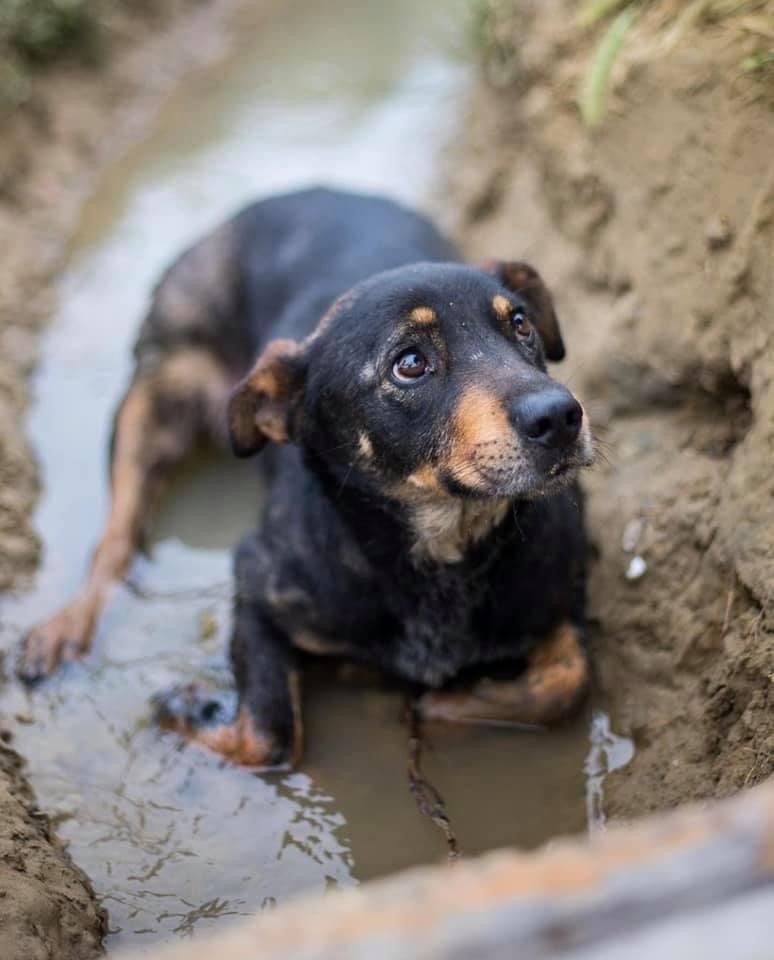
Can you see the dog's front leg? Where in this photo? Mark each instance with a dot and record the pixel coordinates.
(258, 725)
(551, 688)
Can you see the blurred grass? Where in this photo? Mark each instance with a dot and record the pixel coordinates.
(672, 22)
(646, 28)
(594, 95)
(35, 33)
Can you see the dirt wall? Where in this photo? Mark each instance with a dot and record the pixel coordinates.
(657, 234)
(47, 906)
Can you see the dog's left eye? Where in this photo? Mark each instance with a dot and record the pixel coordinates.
(521, 325)
(411, 365)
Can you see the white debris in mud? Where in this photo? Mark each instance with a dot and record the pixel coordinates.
(608, 752)
(632, 533)
(636, 568)
(718, 233)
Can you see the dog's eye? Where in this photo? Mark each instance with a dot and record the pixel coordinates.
(521, 325)
(411, 365)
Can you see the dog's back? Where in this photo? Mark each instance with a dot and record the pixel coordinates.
(278, 265)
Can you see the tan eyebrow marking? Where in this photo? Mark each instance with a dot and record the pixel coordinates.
(502, 306)
(422, 315)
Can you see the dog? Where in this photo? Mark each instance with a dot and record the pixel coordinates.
(424, 515)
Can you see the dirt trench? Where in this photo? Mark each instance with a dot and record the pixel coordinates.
(656, 233)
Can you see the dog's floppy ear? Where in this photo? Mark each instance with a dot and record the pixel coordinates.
(265, 404)
(525, 280)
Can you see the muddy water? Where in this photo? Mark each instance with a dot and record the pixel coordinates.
(363, 94)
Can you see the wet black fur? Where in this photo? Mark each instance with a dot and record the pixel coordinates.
(332, 553)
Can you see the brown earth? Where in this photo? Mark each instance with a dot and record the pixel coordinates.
(47, 906)
(51, 152)
(657, 234)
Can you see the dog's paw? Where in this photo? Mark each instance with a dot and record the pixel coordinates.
(65, 636)
(189, 708)
(213, 720)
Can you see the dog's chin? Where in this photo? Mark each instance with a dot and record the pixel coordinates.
(533, 481)
(545, 484)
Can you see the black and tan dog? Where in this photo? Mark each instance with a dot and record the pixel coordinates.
(423, 515)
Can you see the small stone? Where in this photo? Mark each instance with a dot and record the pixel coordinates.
(718, 233)
(674, 244)
(632, 533)
(636, 568)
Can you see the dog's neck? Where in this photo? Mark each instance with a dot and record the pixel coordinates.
(445, 529)
(432, 527)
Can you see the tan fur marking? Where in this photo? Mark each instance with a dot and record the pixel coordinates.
(311, 642)
(269, 375)
(481, 423)
(445, 525)
(502, 306)
(144, 448)
(423, 315)
(551, 688)
(365, 446)
(238, 742)
(297, 750)
(258, 407)
(445, 528)
(426, 478)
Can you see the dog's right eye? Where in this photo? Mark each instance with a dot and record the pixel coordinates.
(411, 365)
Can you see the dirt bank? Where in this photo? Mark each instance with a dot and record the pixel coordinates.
(51, 151)
(47, 906)
(657, 233)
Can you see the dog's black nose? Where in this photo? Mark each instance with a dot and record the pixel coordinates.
(550, 417)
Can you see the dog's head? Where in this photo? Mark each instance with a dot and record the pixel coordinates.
(425, 381)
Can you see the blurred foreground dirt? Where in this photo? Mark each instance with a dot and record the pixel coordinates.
(697, 883)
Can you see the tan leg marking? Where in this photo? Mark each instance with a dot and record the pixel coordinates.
(145, 450)
(297, 752)
(238, 742)
(552, 687)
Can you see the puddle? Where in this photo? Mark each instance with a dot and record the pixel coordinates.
(363, 94)
(608, 752)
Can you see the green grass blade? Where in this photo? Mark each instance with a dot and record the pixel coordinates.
(595, 10)
(595, 89)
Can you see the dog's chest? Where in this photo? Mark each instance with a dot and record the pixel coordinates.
(441, 618)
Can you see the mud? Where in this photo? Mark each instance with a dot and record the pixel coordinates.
(51, 154)
(47, 906)
(657, 234)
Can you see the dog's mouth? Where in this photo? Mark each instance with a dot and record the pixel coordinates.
(521, 477)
